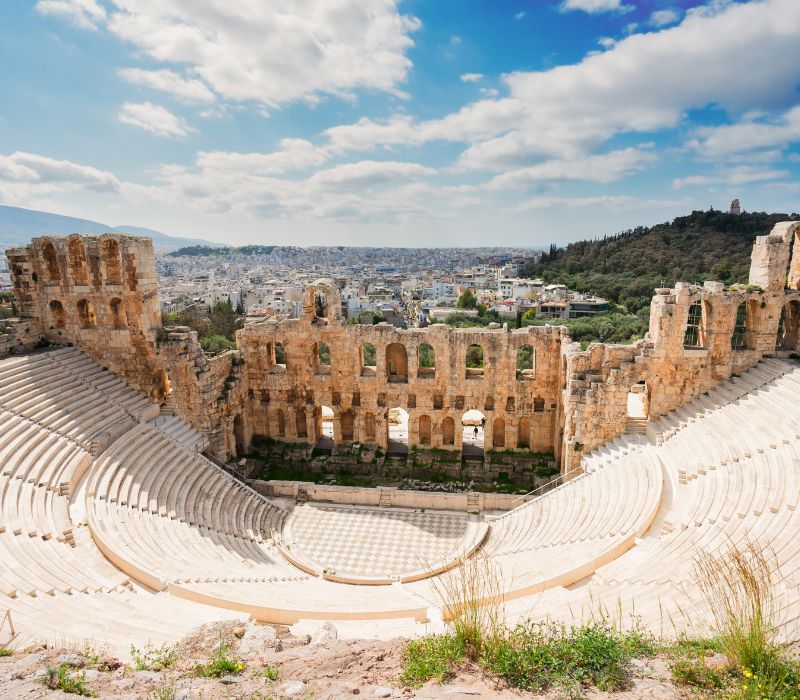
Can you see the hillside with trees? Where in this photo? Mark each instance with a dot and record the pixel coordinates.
(627, 267)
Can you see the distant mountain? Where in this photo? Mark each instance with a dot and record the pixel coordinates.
(18, 226)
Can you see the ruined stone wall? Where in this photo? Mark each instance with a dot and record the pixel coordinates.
(286, 399)
(100, 294)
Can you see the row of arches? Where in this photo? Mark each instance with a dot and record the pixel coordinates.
(319, 427)
(696, 333)
(397, 364)
(77, 264)
(86, 314)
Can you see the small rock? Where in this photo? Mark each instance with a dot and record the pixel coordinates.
(638, 665)
(108, 663)
(72, 660)
(148, 676)
(292, 689)
(123, 683)
(259, 638)
(382, 692)
(230, 680)
(717, 662)
(90, 674)
(326, 633)
(182, 695)
(302, 641)
(30, 660)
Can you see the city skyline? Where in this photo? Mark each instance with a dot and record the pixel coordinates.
(413, 124)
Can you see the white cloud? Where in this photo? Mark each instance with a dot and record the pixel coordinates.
(27, 177)
(153, 118)
(294, 154)
(368, 173)
(604, 168)
(750, 134)
(595, 6)
(735, 56)
(606, 42)
(662, 18)
(611, 202)
(87, 14)
(741, 175)
(186, 89)
(471, 77)
(519, 16)
(265, 52)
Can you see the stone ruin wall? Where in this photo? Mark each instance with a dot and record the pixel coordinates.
(286, 399)
(572, 401)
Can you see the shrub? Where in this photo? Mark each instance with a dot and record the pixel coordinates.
(153, 658)
(220, 664)
(5, 651)
(431, 657)
(61, 678)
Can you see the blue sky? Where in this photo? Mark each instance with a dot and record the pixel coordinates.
(437, 122)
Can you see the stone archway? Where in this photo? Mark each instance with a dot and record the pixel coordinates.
(788, 339)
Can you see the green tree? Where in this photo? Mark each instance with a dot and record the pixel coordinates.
(467, 300)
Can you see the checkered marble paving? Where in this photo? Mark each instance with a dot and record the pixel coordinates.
(379, 542)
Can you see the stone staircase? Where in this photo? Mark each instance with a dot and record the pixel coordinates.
(637, 426)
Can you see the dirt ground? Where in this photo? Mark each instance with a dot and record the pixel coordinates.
(279, 665)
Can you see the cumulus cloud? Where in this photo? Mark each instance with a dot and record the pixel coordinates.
(274, 53)
(368, 173)
(644, 83)
(185, 89)
(663, 18)
(471, 77)
(595, 6)
(604, 168)
(153, 118)
(87, 14)
(741, 175)
(750, 134)
(27, 176)
(293, 154)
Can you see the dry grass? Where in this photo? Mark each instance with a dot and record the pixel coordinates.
(471, 596)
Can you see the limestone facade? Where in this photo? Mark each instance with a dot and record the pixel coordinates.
(100, 294)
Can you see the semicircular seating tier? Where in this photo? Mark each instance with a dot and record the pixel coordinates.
(113, 531)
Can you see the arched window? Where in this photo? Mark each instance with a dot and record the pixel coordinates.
(427, 360)
(424, 430)
(474, 361)
(76, 255)
(369, 360)
(448, 431)
(396, 362)
(694, 337)
(119, 318)
(86, 314)
(280, 355)
(57, 315)
(51, 262)
(498, 433)
(739, 335)
(525, 362)
(112, 261)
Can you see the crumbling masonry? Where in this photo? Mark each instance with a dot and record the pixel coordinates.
(99, 293)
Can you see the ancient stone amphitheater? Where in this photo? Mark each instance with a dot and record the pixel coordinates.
(119, 525)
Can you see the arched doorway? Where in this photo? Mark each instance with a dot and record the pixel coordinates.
(424, 430)
(637, 409)
(58, 316)
(473, 423)
(326, 427)
(789, 327)
(498, 432)
(448, 431)
(398, 431)
(301, 427)
(161, 386)
(524, 432)
(346, 423)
